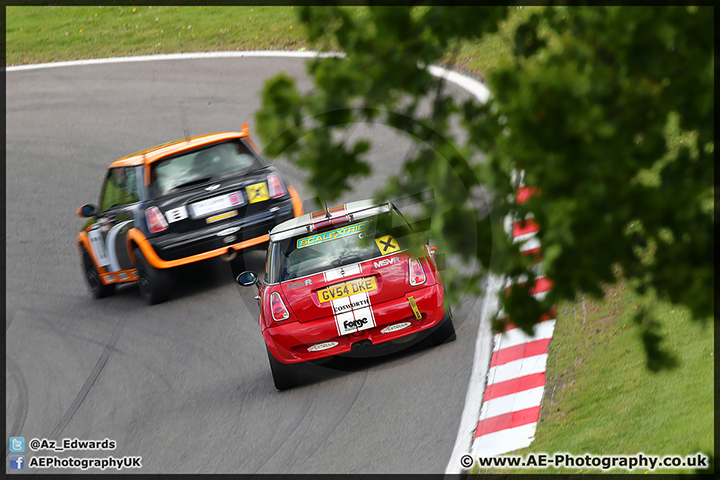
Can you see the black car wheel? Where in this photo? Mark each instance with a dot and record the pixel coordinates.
(285, 376)
(92, 277)
(154, 283)
(237, 265)
(446, 331)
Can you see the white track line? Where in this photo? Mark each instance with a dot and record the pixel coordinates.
(175, 56)
(481, 360)
(476, 387)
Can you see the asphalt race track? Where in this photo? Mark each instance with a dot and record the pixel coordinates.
(186, 384)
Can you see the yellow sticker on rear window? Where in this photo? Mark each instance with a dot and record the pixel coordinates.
(387, 244)
(257, 192)
(361, 285)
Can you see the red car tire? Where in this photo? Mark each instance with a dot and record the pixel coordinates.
(446, 331)
(284, 375)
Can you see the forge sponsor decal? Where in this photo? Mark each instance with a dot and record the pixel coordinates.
(358, 322)
(387, 244)
(347, 289)
(257, 192)
(352, 311)
(332, 234)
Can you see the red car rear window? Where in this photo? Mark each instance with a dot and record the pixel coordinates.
(336, 246)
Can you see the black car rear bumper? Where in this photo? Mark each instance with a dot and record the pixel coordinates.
(169, 251)
(223, 235)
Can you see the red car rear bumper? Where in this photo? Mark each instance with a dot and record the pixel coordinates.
(289, 342)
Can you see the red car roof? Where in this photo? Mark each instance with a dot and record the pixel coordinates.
(322, 218)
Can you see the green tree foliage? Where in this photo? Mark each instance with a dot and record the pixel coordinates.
(589, 107)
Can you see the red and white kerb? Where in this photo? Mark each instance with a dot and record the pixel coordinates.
(516, 379)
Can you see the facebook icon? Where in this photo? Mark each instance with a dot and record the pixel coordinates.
(17, 462)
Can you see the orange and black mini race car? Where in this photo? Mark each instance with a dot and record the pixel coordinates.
(179, 203)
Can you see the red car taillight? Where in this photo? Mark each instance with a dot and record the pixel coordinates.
(277, 307)
(417, 274)
(275, 186)
(155, 220)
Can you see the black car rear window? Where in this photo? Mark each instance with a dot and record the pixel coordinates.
(198, 166)
(336, 246)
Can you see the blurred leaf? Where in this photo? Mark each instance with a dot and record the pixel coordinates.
(591, 107)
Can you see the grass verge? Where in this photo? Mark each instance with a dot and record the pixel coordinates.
(601, 395)
(59, 33)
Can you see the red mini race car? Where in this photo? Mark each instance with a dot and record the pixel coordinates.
(340, 281)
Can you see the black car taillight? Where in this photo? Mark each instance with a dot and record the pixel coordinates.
(155, 220)
(276, 187)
